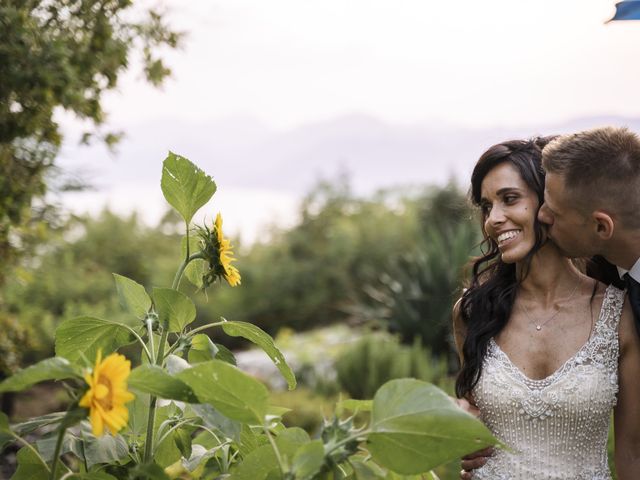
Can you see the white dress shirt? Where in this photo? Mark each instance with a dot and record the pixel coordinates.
(633, 273)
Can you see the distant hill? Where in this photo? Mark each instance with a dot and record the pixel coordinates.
(243, 153)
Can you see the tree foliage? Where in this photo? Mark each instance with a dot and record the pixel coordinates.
(61, 54)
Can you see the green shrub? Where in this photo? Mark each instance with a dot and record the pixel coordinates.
(378, 358)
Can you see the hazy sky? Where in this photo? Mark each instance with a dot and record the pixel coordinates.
(287, 63)
(468, 62)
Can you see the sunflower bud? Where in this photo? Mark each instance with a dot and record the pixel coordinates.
(217, 251)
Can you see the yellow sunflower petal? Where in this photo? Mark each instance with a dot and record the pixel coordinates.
(107, 394)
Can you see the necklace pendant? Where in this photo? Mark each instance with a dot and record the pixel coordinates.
(538, 327)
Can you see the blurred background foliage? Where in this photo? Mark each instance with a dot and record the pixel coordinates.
(357, 292)
(391, 262)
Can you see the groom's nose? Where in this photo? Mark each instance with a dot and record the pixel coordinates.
(544, 215)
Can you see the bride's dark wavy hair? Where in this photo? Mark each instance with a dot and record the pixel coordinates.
(487, 302)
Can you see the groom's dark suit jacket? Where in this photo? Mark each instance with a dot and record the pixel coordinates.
(600, 269)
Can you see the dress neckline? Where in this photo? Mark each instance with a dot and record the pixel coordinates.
(552, 376)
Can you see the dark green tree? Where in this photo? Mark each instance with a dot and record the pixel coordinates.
(61, 54)
(414, 291)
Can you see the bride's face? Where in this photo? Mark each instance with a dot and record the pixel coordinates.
(509, 208)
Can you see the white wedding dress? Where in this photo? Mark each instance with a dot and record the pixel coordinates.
(556, 427)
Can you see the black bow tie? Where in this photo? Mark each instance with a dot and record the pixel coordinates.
(633, 289)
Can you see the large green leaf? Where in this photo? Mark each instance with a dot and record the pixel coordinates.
(56, 368)
(174, 308)
(37, 422)
(264, 341)
(261, 463)
(363, 470)
(417, 427)
(156, 381)
(185, 186)
(132, 296)
(82, 337)
(30, 467)
(202, 349)
(308, 460)
(103, 449)
(217, 422)
(233, 392)
(256, 465)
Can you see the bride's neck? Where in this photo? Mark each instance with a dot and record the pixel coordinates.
(548, 276)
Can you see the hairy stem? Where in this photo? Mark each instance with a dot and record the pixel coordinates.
(140, 341)
(283, 467)
(56, 453)
(148, 445)
(358, 436)
(204, 327)
(151, 422)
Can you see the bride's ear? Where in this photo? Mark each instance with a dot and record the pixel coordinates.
(604, 224)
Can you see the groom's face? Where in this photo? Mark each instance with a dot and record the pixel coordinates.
(569, 228)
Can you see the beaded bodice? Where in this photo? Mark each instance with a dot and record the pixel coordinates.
(556, 427)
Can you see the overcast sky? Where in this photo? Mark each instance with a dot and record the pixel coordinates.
(466, 63)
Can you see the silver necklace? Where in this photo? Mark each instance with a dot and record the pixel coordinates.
(540, 325)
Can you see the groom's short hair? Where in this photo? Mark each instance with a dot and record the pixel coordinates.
(600, 169)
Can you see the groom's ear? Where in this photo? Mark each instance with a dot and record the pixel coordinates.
(604, 224)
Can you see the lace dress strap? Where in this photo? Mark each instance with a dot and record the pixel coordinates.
(609, 318)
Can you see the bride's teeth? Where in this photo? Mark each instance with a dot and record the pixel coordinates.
(507, 235)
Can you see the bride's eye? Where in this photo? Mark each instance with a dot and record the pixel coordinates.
(509, 199)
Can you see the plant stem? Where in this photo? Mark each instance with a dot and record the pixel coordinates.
(283, 468)
(204, 327)
(148, 445)
(144, 346)
(56, 453)
(348, 439)
(176, 279)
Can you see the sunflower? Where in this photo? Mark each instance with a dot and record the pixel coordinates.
(108, 393)
(230, 273)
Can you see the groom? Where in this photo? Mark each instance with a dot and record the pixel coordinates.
(592, 209)
(592, 200)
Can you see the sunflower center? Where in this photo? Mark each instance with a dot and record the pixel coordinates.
(102, 393)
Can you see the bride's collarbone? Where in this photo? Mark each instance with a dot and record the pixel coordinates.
(539, 353)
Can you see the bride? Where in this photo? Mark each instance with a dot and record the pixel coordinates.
(547, 353)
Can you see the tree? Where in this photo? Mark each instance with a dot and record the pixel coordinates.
(61, 54)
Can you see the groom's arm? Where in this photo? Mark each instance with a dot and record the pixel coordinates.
(627, 410)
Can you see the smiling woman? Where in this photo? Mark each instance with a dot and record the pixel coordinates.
(507, 205)
(543, 367)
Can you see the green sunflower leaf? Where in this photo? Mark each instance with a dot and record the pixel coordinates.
(132, 296)
(417, 427)
(265, 342)
(156, 381)
(82, 337)
(235, 394)
(55, 368)
(174, 308)
(185, 186)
